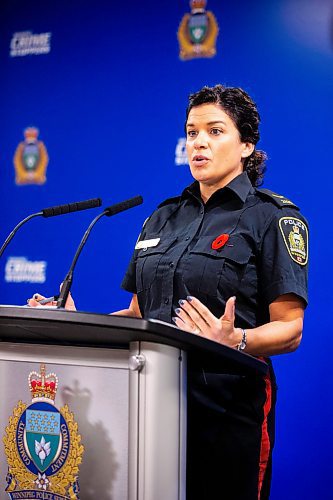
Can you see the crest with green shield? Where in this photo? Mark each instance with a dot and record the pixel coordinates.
(42, 434)
(198, 27)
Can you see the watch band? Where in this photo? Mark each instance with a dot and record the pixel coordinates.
(241, 346)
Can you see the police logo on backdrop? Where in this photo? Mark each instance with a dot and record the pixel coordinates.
(31, 159)
(42, 445)
(197, 32)
(295, 235)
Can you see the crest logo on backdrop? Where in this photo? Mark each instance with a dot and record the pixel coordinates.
(30, 159)
(197, 32)
(42, 445)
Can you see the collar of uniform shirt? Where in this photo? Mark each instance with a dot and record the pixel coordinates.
(240, 185)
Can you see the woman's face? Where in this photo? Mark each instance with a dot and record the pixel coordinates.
(215, 151)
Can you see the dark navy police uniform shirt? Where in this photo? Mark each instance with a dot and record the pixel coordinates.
(264, 256)
(243, 242)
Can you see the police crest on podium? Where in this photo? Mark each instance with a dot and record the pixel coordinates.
(42, 445)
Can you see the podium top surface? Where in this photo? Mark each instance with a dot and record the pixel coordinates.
(61, 327)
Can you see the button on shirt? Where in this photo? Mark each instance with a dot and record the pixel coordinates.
(263, 255)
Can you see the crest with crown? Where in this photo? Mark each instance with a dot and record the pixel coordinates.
(31, 134)
(198, 5)
(43, 387)
(197, 32)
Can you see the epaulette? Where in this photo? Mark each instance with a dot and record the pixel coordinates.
(277, 199)
(169, 201)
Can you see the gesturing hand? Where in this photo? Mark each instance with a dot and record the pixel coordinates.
(194, 317)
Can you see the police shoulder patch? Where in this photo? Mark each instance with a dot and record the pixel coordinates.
(295, 236)
(277, 199)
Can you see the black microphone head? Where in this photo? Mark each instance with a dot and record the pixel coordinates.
(71, 207)
(123, 205)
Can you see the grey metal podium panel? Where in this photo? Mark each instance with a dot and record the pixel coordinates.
(95, 385)
(158, 426)
(132, 418)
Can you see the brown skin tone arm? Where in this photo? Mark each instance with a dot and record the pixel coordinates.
(133, 309)
(281, 335)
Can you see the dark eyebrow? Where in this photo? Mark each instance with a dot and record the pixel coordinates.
(215, 122)
(209, 123)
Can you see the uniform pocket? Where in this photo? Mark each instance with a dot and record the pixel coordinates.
(148, 260)
(236, 259)
(220, 270)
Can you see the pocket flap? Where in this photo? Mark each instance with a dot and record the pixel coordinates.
(236, 249)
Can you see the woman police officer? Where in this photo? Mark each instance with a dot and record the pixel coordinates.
(227, 261)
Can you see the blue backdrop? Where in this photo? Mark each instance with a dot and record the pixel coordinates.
(108, 96)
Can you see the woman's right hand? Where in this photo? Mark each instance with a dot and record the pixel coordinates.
(36, 299)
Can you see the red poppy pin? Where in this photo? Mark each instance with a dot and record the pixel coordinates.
(220, 241)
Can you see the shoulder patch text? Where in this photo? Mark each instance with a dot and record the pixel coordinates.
(295, 236)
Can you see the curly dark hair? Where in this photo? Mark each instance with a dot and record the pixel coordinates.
(243, 111)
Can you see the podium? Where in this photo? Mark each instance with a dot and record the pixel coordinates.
(124, 380)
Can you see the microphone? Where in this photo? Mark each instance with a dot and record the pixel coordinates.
(109, 211)
(51, 212)
(123, 205)
(71, 207)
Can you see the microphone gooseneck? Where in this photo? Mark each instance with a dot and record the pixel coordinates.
(16, 228)
(109, 211)
(51, 212)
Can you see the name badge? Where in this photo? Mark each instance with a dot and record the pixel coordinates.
(147, 243)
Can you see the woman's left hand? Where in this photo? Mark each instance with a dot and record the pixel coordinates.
(36, 299)
(193, 317)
